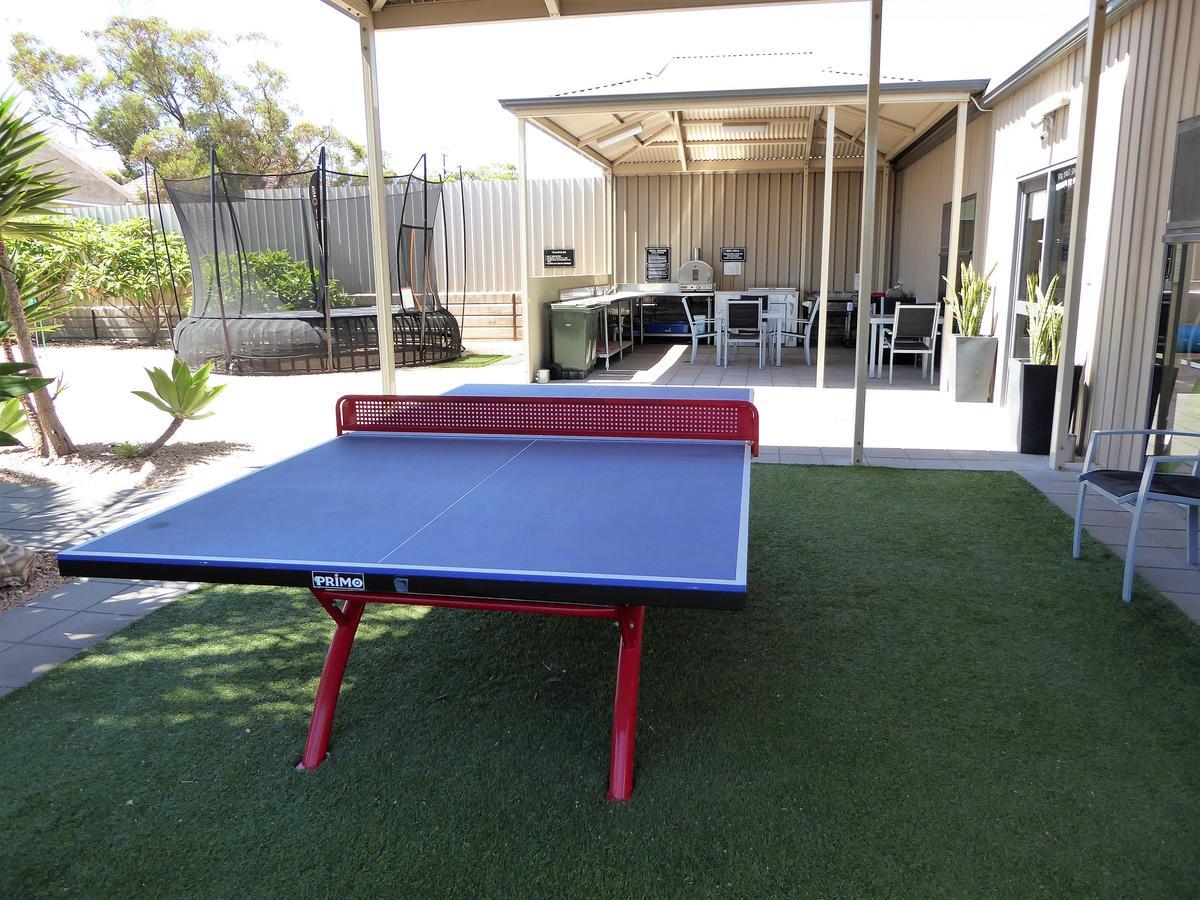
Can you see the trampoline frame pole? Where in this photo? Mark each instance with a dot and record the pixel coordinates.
(212, 206)
(323, 250)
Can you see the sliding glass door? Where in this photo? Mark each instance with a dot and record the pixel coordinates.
(1175, 380)
(1043, 243)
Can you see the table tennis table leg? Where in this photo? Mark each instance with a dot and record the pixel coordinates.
(629, 667)
(319, 730)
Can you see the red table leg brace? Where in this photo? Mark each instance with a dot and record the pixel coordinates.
(629, 620)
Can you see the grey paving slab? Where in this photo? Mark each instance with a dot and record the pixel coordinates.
(81, 630)
(928, 453)
(886, 452)
(1181, 580)
(24, 622)
(143, 599)
(80, 594)
(21, 664)
(4, 645)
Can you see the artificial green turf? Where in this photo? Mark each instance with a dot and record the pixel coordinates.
(925, 696)
(472, 361)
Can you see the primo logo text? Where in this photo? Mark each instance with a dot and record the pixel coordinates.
(339, 581)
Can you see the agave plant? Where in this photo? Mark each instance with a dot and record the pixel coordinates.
(15, 382)
(182, 394)
(969, 302)
(1045, 321)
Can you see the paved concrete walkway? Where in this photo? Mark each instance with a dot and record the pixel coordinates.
(61, 622)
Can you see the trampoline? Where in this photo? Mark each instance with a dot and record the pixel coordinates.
(283, 272)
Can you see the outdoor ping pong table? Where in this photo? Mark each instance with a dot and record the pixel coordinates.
(579, 501)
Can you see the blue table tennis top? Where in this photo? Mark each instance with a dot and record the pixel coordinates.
(623, 514)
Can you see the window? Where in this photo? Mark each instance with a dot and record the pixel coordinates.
(966, 241)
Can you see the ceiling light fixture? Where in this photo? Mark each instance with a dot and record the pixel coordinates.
(745, 127)
(623, 135)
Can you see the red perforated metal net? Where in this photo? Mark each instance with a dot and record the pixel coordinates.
(657, 418)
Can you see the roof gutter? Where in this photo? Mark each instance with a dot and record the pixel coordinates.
(943, 129)
(805, 96)
(1117, 10)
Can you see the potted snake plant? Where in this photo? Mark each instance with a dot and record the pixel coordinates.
(1032, 382)
(972, 356)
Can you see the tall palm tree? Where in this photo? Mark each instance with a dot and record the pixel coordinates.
(26, 192)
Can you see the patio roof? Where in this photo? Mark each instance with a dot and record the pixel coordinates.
(389, 14)
(738, 112)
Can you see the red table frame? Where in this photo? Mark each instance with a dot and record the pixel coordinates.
(629, 621)
(606, 417)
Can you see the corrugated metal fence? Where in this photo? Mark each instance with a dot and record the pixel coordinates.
(565, 212)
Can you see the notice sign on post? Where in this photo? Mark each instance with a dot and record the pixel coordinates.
(562, 258)
(732, 259)
(658, 263)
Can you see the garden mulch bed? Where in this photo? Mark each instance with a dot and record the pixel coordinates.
(43, 576)
(93, 461)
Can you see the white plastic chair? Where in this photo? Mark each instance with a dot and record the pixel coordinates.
(805, 328)
(1134, 490)
(700, 327)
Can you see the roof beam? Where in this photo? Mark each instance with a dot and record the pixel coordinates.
(883, 120)
(924, 125)
(552, 9)
(640, 143)
(561, 134)
(716, 166)
(677, 117)
(355, 9)
(618, 124)
(770, 120)
(737, 142)
(465, 12)
(377, 5)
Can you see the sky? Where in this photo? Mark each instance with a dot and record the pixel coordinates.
(439, 86)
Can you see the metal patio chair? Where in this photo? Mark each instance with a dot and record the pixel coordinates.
(913, 330)
(805, 328)
(701, 328)
(744, 325)
(1134, 490)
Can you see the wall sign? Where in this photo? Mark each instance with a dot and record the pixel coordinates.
(562, 258)
(733, 254)
(658, 263)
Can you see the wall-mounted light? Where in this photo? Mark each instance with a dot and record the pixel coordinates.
(623, 135)
(745, 127)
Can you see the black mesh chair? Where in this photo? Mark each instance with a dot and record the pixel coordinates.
(1135, 489)
(913, 331)
(744, 325)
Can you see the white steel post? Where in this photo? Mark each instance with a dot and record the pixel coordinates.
(1062, 445)
(378, 205)
(960, 155)
(826, 243)
(531, 317)
(867, 249)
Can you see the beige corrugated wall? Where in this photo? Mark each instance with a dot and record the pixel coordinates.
(1151, 81)
(763, 212)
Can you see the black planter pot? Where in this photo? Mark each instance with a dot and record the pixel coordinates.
(1031, 392)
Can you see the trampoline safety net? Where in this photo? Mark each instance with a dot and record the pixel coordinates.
(283, 272)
